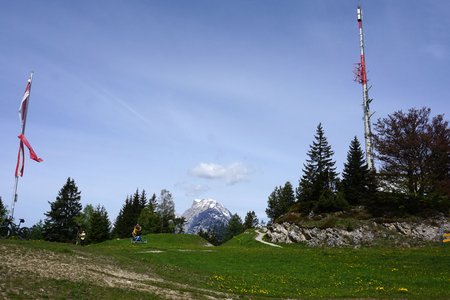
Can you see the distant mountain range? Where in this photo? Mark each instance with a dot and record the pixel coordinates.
(205, 214)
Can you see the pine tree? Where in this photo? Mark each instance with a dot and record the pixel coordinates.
(124, 222)
(234, 227)
(273, 210)
(280, 201)
(356, 182)
(129, 214)
(3, 211)
(287, 198)
(319, 173)
(250, 220)
(99, 225)
(60, 224)
(149, 219)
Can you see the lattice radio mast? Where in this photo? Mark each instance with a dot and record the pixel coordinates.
(361, 77)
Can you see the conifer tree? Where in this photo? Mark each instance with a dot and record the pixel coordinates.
(356, 180)
(273, 210)
(149, 219)
(234, 227)
(124, 222)
(280, 200)
(60, 224)
(129, 214)
(250, 220)
(319, 173)
(3, 211)
(99, 225)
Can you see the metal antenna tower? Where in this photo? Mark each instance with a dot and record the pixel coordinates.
(361, 77)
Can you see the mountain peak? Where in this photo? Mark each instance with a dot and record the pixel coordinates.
(205, 214)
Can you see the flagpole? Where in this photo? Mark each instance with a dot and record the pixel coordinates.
(30, 80)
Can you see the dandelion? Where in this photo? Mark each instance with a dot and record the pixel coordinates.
(217, 278)
(403, 290)
(380, 288)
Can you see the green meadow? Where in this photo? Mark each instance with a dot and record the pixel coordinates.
(242, 268)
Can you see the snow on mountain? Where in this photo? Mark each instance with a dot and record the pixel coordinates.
(205, 214)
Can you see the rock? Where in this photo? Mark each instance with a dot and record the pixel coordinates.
(404, 234)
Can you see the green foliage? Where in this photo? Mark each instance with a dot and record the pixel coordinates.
(129, 214)
(166, 211)
(234, 227)
(61, 222)
(280, 200)
(3, 211)
(37, 231)
(358, 183)
(414, 152)
(250, 220)
(329, 202)
(319, 174)
(149, 219)
(99, 225)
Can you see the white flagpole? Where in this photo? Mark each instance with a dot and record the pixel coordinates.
(24, 113)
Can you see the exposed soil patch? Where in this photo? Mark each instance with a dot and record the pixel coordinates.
(81, 267)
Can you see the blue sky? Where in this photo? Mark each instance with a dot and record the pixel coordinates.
(208, 99)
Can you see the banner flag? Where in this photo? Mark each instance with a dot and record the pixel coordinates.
(20, 161)
(21, 157)
(23, 109)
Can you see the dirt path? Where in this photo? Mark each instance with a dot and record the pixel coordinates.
(86, 268)
(260, 236)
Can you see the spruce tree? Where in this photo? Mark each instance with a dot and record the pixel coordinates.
(280, 201)
(124, 222)
(287, 197)
(273, 210)
(61, 222)
(129, 214)
(234, 227)
(355, 176)
(319, 173)
(3, 211)
(149, 219)
(99, 225)
(250, 220)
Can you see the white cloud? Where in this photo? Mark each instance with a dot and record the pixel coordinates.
(232, 173)
(193, 190)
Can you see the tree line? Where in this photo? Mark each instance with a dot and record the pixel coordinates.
(67, 218)
(413, 176)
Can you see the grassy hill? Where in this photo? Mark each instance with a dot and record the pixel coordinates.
(186, 267)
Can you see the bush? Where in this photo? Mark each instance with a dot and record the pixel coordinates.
(328, 202)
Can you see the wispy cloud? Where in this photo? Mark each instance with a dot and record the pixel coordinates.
(231, 174)
(192, 190)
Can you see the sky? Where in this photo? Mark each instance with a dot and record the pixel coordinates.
(204, 98)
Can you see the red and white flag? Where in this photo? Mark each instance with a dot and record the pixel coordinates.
(23, 140)
(21, 156)
(24, 105)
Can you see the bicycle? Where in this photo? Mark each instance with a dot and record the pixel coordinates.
(9, 229)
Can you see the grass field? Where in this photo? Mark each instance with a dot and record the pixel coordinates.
(184, 267)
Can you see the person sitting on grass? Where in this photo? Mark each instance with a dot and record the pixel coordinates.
(137, 233)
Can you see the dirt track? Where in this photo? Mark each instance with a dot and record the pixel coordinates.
(82, 267)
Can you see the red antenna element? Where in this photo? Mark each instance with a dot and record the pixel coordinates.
(361, 77)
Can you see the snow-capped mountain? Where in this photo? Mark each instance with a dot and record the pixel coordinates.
(205, 214)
